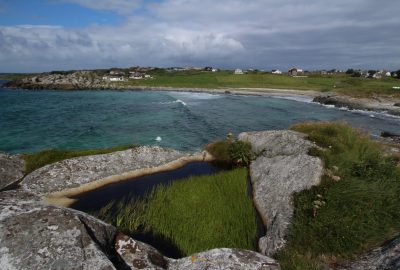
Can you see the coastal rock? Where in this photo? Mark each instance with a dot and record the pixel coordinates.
(38, 236)
(381, 104)
(75, 172)
(62, 238)
(225, 258)
(75, 80)
(11, 169)
(138, 255)
(339, 101)
(384, 257)
(281, 169)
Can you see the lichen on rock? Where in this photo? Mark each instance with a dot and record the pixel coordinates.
(12, 169)
(281, 169)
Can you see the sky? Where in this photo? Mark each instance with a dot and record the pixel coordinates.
(38, 36)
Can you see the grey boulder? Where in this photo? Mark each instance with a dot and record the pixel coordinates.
(382, 258)
(282, 168)
(11, 169)
(74, 172)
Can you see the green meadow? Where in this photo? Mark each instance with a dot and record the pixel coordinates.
(341, 83)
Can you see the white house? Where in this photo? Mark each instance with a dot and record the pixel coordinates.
(238, 71)
(276, 71)
(113, 78)
(388, 74)
(214, 70)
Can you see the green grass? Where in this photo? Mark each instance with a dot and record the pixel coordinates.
(340, 83)
(195, 214)
(42, 158)
(361, 210)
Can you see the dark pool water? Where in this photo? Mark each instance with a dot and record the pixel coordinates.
(138, 187)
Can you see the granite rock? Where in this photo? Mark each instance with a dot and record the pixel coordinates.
(282, 168)
(225, 258)
(383, 258)
(74, 172)
(11, 169)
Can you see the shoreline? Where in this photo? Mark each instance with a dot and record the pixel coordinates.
(378, 103)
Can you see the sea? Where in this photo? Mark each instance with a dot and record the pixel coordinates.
(32, 121)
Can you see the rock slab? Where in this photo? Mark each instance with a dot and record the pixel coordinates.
(11, 169)
(72, 173)
(281, 169)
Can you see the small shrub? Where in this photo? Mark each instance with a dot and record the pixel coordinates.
(232, 151)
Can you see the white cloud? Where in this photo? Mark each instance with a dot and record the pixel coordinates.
(121, 6)
(259, 33)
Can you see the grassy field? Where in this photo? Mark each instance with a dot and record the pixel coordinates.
(340, 83)
(195, 214)
(42, 158)
(353, 215)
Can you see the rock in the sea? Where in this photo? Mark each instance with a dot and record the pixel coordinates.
(11, 169)
(225, 258)
(75, 172)
(281, 169)
(383, 258)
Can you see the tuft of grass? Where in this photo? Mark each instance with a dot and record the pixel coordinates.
(360, 212)
(195, 214)
(231, 151)
(37, 160)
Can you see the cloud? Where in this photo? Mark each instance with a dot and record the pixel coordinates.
(263, 34)
(120, 6)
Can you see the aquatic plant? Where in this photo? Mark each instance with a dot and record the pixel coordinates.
(195, 214)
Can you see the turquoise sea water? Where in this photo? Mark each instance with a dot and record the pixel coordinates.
(35, 120)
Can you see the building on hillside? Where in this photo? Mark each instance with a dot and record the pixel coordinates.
(116, 71)
(113, 78)
(295, 71)
(276, 71)
(238, 71)
(137, 76)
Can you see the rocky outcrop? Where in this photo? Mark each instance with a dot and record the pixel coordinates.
(380, 104)
(76, 80)
(37, 236)
(282, 168)
(75, 172)
(11, 169)
(225, 258)
(382, 258)
(34, 235)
